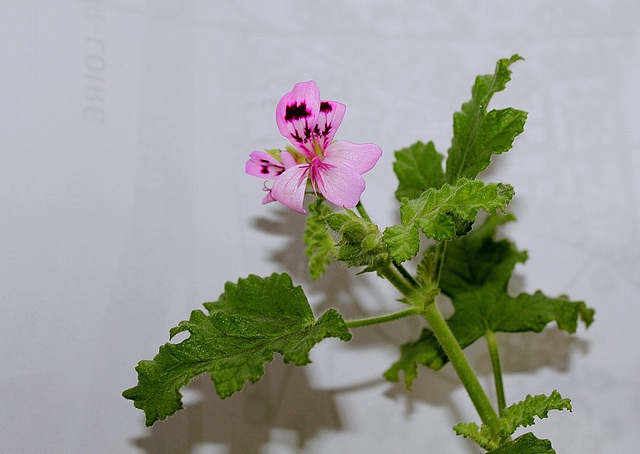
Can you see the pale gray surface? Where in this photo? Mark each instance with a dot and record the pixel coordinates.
(124, 130)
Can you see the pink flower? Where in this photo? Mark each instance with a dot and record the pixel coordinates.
(332, 169)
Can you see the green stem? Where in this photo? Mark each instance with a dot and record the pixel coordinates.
(401, 269)
(440, 250)
(398, 277)
(462, 367)
(390, 274)
(362, 211)
(492, 343)
(397, 280)
(383, 318)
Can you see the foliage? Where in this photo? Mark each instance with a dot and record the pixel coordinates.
(517, 415)
(462, 258)
(251, 321)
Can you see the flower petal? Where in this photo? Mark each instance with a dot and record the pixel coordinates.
(263, 165)
(330, 117)
(290, 186)
(287, 160)
(340, 185)
(360, 157)
(297, 115)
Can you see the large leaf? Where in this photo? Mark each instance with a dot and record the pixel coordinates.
(478, 134)
(475, 275)
(418, 168)
(436, 212)
(251, 320)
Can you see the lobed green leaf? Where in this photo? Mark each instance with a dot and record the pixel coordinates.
(478, 134)
(418, 168)
(426, 351)
(521, 414)
(475, 275)
(251, 321)
(437, 213)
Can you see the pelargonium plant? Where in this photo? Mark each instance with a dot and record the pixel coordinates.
(442, 245)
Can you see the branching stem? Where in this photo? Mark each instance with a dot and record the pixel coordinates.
(397, 275)
(383, 318)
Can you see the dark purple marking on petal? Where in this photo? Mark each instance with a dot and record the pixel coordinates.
(296, 111)
(266, 167)
(325, 107)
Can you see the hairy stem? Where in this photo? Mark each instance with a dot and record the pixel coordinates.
(454, 351)
(362, 211)
(401, 269)
(492, 343)
(398, 280)
(462, 367)
(383, 318)
(440, 250)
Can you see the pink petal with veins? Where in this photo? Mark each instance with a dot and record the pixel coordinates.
(340, 185)
(263, 165)
(290, 186)
(330, 117)
(297, 115)
(304, 119)
(360, 157)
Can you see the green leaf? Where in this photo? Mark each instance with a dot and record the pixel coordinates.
(475, 275)
(418, 168)
(251, 321)
(525, 444)
(437, 211)
(521, 414)
(403, 242)
(478, 134)
(425, 350)
(320, 244)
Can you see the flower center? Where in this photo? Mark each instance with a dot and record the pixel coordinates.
(316, 168)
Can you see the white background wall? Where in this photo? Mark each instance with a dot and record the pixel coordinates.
(124, 128)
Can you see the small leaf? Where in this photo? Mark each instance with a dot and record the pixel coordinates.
(522, 413)
(320, 244)
(425, 351)
(437, 211)
(251, 321)
(477, 135)
(403, 242)
(517, 415)
(418, 168)
(525, 444)
(472, 431)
